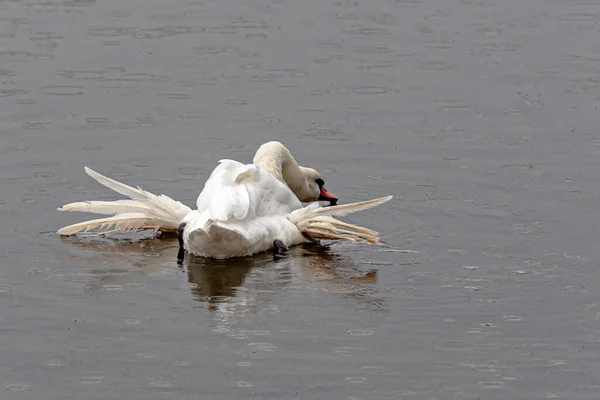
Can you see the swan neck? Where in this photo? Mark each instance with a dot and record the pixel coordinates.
(276, 159)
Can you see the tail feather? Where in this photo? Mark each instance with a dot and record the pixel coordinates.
(318, 222)
(144, 210)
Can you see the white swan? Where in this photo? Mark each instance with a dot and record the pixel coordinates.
(242, 210)
(162, 213)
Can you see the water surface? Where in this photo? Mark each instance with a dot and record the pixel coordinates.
(480, 117)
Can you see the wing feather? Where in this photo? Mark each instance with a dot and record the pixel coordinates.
(242, 191)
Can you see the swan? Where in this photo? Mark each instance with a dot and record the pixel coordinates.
(164, 214)
(243, 209)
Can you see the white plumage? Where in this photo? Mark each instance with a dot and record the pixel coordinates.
(144, 211)
(241, 211)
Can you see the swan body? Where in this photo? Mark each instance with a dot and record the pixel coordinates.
(242, 210)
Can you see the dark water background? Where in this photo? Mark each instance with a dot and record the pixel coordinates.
(480, 116)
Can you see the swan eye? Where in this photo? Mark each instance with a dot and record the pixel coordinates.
(320, 182)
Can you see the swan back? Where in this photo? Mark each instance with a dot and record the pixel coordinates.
(244, 191)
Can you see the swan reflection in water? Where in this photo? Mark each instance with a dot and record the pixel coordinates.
(245, 285)
(238, 286)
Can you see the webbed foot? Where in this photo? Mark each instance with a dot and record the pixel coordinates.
(181, 252)
(279, 249)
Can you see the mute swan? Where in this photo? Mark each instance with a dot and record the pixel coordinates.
(162, 213)
(242, 210)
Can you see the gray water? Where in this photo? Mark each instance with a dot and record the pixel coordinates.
(479, 116)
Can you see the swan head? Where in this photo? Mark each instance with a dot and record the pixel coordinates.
(306, 183)
(312, 188)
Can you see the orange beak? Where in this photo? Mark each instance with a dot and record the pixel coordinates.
(326, 196)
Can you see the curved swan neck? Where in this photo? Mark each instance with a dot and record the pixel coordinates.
(276, 159)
